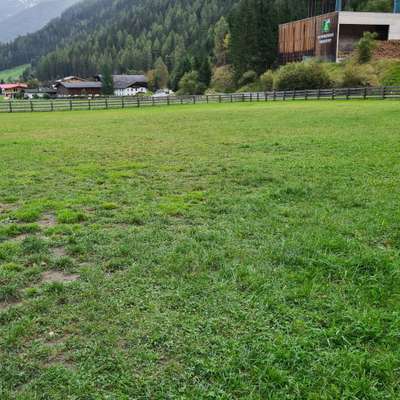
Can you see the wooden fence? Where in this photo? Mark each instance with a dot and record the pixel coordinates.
(388, 92)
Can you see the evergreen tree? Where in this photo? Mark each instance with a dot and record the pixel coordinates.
(253, 43)
(107, 80)
(221, 33)
(161, 74)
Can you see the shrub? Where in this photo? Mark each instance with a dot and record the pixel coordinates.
(306, 75)
(189, 84)
(251, 87)
(223, 79)
(267, 80)
(359, 76)
(248, 78)
(366, 47)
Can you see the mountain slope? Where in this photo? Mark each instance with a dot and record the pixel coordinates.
(131, 33)
(32, 18)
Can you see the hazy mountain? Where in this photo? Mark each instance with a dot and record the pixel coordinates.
(19, 17)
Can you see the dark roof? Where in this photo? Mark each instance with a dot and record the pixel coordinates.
(125, 81)
(81, 85)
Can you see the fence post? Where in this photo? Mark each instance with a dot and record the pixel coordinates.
(231, 98)
(207, 98)
(167, 100)
(220, 98)
(90, 107)
(306, 95)
(274, 94)
(70, 105)
(243, 98)
(106, 103)
(152, 100)
(365, 93)
(194, 99)
(384, 93)
(266, 96)
(284, 95)
(333, 94)
(251, 97)
(294, 94)
(122, 102)
(31, 106)
(52, 105)
(348, 94)
(10, 106)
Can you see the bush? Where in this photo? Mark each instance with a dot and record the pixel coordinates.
(300, 76)
(366, 47)
(189, 84)
(248, 78)
(251, 87)
(359, 76)
(223, 79)
(267, 81)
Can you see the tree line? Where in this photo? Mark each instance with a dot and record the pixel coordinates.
(183, 44)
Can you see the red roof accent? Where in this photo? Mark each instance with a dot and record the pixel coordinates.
(8, 86)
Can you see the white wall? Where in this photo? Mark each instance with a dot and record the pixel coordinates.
(129, 91)
(368, 18)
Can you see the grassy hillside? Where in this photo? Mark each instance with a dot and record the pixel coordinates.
(12, 74)
(235, 251)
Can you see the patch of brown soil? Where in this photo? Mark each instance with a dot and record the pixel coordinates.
(59, 251)
(5, 305)
(6, 208)
(21, 237)
(57, 276)
(47, 221)
(387, 50)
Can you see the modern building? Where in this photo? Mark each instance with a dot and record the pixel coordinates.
(333, 36)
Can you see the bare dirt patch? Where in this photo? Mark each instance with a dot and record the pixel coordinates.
(47, 221)
(5, 305)
(4, 208)
(59, 251)
(21, 237)
(58, 276)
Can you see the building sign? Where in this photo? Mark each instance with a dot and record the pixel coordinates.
(326, 26)
(327, 36)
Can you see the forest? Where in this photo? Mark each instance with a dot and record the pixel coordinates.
(178, 38)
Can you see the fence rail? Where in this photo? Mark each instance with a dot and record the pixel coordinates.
(387, 92)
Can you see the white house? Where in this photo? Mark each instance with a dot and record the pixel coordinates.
(130, 85)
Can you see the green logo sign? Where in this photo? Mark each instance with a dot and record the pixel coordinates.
(326, 26)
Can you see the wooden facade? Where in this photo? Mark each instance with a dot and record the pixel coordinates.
(311, 37)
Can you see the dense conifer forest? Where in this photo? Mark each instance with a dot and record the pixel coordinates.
(164, 38)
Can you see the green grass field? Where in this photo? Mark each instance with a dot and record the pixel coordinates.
(244, 251)
(12, 74)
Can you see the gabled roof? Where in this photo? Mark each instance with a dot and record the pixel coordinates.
(71, 78)
(80, 85)
(7, 86)
(125, 81)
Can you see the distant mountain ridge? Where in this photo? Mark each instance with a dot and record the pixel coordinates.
(20, 17)
(133, 34)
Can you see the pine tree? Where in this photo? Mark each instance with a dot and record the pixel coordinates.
(107, 80)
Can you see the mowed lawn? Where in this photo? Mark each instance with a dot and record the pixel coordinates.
(237, 251)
